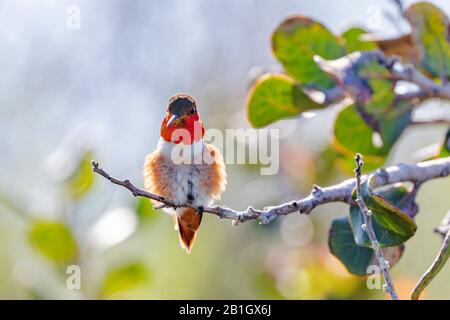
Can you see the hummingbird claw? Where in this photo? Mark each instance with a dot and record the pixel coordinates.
(199, 210)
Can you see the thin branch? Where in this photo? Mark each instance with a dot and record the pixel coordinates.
(398, 72)
(432, 121)
(341, 192)
(368, 228)
(415, 97)
(434, 269)
(408, 203)
(428, 88)
(444, 226)
(334, 95)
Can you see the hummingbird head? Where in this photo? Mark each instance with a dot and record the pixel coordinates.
(182, 122)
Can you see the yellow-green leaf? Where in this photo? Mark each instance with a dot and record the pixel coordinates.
(391, 225)
(353, 134)
(82, 179)
(296, 41)
(430, 29)
(355, 42)
(145, 210)
(124, 278)
(54, 240)
(274, 97)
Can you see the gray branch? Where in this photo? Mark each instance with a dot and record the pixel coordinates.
(433, 270)
(368, 228)
(428, 88)
(342, 192)
(444, 226)
(398, 72)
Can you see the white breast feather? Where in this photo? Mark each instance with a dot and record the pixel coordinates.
(184, 174)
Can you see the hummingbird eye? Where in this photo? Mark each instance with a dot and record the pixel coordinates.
(192, 111)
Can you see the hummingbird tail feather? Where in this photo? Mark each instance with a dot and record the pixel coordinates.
(188, 224)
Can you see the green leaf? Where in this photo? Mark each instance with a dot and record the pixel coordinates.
(391, 225)
(355, 258)
(393, 122)
(53, 240)
(145, 210)
(124, 278)
(376, 120)
(372, 79)
(375, 99)
(389, 122)
(81, 180)
(366, 77)
(296, 41)
(400, 196)
(430, 29)
(342, 245)
(274, 97)
(354, 42)
(352, 133)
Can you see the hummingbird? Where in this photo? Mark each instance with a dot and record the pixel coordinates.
(197, 182)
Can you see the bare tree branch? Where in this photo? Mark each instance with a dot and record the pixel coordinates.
(433, 270)
(398, 72)
(342, 192)
(432, 121)
(444, 226)
(368, 228)
(428, 88)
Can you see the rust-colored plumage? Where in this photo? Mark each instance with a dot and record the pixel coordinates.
(187, 225)
(198, 183)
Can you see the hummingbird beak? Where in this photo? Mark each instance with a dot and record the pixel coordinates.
(172, 119)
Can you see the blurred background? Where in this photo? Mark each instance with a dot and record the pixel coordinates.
(99, 92)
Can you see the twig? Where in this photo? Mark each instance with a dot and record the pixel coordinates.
(444, 226)
(334, 95)
(398, 72)
(428, 88)
(341, 192)
(432, 121)
(368, 228)
(433, 270)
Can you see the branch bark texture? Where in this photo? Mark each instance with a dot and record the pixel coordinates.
(342, 192)
(368, 228)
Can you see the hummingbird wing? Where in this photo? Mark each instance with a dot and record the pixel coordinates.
(215, 177)
(156, 174)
